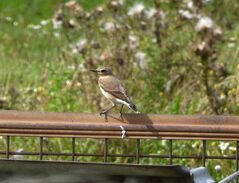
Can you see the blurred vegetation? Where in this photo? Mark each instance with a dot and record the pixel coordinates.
(175, 57)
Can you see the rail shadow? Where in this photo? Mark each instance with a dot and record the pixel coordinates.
(137, 119)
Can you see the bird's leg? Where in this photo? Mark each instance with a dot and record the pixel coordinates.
(121, 109)
(105, 112)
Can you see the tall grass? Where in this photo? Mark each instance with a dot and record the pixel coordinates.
(165, 62)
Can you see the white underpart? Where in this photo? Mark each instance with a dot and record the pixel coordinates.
(113, 99)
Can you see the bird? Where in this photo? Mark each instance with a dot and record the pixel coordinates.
(113, 90)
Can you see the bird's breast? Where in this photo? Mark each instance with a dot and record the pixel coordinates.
(107, 95)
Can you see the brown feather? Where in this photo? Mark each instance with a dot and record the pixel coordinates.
(113, 86)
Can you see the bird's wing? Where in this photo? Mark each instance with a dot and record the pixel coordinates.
(113, 86)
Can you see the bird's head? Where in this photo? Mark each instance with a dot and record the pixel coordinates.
(103, 71)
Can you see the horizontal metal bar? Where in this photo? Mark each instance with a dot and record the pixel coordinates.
(116, 135)
(136, 125)
(121, 155)
(233, 178)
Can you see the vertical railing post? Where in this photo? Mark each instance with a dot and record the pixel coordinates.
(8, 147)
(41, 148)
(170, 151)
(73, 148)
(137, 151)
(204, 148)
(105, 149)
(237, 155)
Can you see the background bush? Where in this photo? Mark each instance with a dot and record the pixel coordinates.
(175, 57)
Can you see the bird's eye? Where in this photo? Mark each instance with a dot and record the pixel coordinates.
(103, 70)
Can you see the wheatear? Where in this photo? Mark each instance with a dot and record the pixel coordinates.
(112, 89)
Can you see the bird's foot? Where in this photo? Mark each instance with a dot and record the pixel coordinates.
(121, 113)
(104, 112)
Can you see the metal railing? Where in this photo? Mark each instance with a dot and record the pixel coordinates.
(234, 178)
(130, 126)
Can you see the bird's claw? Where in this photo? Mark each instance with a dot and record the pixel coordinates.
(104, 113)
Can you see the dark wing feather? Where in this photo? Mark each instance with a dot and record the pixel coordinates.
(113, 86)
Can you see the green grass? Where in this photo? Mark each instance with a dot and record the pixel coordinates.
(39, 72)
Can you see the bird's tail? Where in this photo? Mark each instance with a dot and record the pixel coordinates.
(133, 107)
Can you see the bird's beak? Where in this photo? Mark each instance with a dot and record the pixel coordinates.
(94, 70)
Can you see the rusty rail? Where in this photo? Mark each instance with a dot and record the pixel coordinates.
(13, 123)
(137, 126)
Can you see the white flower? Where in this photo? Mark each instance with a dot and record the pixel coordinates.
(44, 22)
(68, 83)
(232, 148)
(56, 23)
(18, 156)
(137, 9)
(162, 15)
(114, 3)
(70, 3)
(88, 15)
(72, 23)
(81, 66)
(223, 145)
(133, 42)
(74, 50)
(232, 38)
(204, 23)
(81, 44)
(151, 12)
(231, 45)
(99, 9)
(15, 24)
(140, 59)
(163, 142)
(217, 31)
(185, 14)
(56, 34)
(78, 84)
(194, 145)
(110, 27)
(20, 150)
(79, 47)
(222, 97)
(71, 67)
(206, 1)
(9, 19)
(198, 16)
(105, 55)
(35, 27)
(218, 168)
(154, 40)
(121, 2)
(28, 89)
(202, 46)
(117, 3)
(190, 4)
(73, 6)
